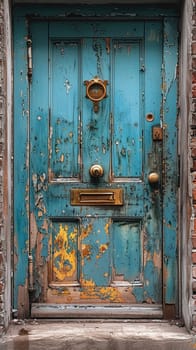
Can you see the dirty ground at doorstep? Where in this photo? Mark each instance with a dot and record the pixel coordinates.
(96, 335)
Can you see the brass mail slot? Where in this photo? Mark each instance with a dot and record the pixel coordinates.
(97, 197)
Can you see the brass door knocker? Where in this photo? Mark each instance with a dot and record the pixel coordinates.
(96, 91)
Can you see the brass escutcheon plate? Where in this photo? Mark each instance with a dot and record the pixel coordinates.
(101, 196)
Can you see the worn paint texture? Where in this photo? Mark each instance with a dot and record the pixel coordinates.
(96, 253)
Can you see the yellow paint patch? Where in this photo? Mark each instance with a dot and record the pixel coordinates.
(107, 294)
(107, 226)
(110, 294)
(64, 259)
(88, 283)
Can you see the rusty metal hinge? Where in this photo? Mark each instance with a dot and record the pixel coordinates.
(29, 59)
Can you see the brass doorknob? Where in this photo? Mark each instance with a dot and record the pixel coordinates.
(153, 178)
(96, 170)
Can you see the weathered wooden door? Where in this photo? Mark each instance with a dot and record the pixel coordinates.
(96, 169)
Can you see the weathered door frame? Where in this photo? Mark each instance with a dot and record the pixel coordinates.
(21, 168)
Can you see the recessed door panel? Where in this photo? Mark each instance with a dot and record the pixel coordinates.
(64, 109)
(127, 109)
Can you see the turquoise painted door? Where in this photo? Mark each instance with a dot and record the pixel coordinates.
(96, 167)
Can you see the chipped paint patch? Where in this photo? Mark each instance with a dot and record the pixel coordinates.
(110, 294)
(67, 86)
(88, 283)
(86, 251)
(102, 249)
(64, 258)
(107, 294)
(157, 259)
(86, 231)
(107, 226)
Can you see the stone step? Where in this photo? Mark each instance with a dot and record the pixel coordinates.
(96, 335)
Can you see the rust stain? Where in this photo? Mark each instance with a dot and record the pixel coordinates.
(86, 251)
(107, 42)
(86, 231)
(65, 260)
(102, 249)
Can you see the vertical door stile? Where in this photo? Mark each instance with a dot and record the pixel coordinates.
(153, 153)
(29, 74)
(170, 268)
(21, 171)
(39, 114)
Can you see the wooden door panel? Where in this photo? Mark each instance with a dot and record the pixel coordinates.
(64, 109)
(127, 109)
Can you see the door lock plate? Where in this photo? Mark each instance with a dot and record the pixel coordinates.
(157, 133)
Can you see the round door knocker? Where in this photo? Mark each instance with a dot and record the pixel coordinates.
(96, 91)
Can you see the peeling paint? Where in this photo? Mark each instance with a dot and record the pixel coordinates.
(64, 259)
(86, 251)
(102, 249)
(68, 86)
(107, 226)
(86, 231)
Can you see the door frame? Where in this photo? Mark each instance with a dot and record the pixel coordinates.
(23, 260)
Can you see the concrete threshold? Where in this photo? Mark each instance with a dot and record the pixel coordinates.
(96, 335)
